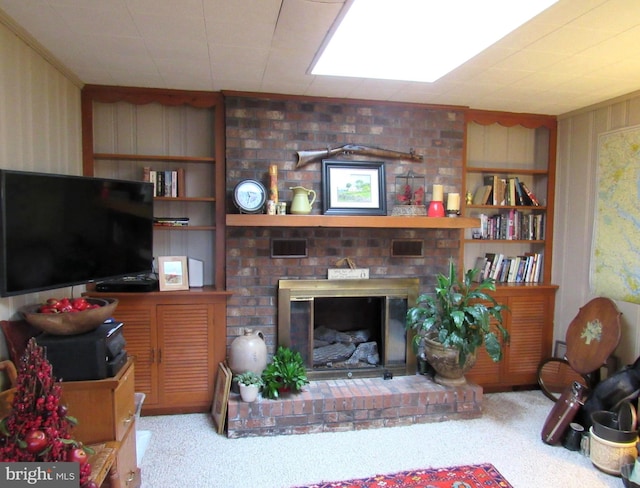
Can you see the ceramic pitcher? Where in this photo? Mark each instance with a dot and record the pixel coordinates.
(248, 352)
(302, 200)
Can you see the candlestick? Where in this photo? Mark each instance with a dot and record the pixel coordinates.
(453, 201)
(436, 209)
(273, 183)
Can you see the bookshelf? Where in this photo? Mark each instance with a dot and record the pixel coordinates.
(129, 130)
(503, 149)
(506, 153)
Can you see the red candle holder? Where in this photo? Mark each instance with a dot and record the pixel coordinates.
(436, 209)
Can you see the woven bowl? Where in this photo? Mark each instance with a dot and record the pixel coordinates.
(71, 323)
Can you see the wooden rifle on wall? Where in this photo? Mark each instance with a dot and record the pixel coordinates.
(306, 157)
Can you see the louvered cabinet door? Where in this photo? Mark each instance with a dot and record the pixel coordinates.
(140, 333)
(186, 359)
(530, 324)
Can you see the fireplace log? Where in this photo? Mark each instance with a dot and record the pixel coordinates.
(366, 352)
(330, 335)
(333, 352)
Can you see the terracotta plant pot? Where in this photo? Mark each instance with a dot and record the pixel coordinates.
(445, 361)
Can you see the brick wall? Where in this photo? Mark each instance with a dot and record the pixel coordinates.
(265, 130)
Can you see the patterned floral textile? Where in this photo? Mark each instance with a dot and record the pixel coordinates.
(474, 476)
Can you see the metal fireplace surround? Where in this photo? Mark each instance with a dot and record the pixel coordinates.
(301, 302)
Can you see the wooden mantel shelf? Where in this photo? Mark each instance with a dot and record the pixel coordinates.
(389, 222)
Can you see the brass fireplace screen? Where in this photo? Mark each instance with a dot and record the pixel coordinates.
(348, 328)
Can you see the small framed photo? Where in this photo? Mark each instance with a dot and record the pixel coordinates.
(353, 188)
(173, 273)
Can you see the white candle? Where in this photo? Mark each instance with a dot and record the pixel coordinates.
(453, 201)
(437, 193)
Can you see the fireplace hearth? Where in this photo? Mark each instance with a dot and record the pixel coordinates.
(348, 328)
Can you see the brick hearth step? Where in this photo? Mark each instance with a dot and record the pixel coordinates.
(353, 404)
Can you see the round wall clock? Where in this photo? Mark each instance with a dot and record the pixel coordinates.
(249, 196)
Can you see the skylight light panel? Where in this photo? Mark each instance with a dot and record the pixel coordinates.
(418, 40)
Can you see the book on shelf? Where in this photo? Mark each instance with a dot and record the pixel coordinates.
(530, 195)
(171, 221)
(482, 195)
(490, 258)
(511, 192)
(520, 197)
(169, 183)
(494, 182)
(526, 268)
(480, 264)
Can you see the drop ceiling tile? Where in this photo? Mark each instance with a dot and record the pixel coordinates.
(230, 34)
(116, 21)
(242, 12)
(170, 27)
(187, 8)
(612, 15)
(179, 49)
(570, 40)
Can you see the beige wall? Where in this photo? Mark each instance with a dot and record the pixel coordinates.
(39, 125)
(575, 205)
(40, 130)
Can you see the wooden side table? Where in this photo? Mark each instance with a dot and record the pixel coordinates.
(103, 464)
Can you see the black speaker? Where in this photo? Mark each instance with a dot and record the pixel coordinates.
(94, 355)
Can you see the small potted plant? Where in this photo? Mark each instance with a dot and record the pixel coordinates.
(285, 372)
(250, 384)
(454, 321)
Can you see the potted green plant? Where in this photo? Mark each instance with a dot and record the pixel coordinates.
(250, 384)
(285, 372)
(455, 320)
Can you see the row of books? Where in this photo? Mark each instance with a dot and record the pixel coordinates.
(526, 268)
(171, 221)
(504, 191)
(512, 225)
(165, 183)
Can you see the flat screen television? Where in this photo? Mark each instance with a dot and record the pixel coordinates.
(63, 230)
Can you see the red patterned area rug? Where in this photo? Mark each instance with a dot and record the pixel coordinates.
(474, 476)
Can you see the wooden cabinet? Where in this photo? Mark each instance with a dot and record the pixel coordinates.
(509, 146)
(125, 130)
(176, 338)
(530, 325)
(105, 410)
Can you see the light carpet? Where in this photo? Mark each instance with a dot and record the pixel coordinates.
(185, 451)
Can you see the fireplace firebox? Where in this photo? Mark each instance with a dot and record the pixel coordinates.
(348, 328)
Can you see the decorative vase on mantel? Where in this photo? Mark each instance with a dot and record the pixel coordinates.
(446, 363)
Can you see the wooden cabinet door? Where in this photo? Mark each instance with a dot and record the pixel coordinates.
(186, 354)
(528, 346)
(140, 333)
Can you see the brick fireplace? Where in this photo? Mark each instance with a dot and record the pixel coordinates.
(268, 129)
(262, 130)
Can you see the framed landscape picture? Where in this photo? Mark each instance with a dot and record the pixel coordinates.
(173, 273)
(353, 188)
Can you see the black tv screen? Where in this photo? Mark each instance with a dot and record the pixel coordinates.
(61, 230)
